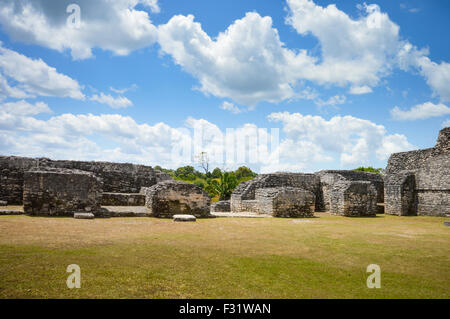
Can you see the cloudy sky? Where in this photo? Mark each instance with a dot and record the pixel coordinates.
(346, 83)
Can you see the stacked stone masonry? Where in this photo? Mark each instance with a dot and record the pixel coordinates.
(61, 192)
(426, 191)
(287, 202)
(223, 206)
(170, 198)
(116, 177)
(244, 199)
(123, 199)
(353, 199)
(328, 178)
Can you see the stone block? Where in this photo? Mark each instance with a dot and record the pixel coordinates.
(184, 218)
(83, 216)
(170, 198)
(285, 202)
(61, 192)
(353, 199)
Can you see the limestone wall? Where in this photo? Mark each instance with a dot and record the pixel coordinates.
(170, 198)
(431, 170)
(117, 177)
(123, 199)
(61, 192)
(329, 177)
(400, 194)
(244, 195)
(285, 202)
(353, 199)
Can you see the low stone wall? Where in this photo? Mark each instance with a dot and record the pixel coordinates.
(170, 198)
(353, 199)
(285, 202)
(61, 192)
(123, 199)
(222, 206)
(117, 177)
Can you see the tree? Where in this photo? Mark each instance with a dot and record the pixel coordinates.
(203, 161)
(224, 187)
(216, 173)
(185, 173)
(244, 171)
(369, 169)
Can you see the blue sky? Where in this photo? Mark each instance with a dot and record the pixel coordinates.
(346, 82)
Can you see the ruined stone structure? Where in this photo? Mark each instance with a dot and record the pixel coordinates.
(353, 199)
(170, 198)
(61, 192)
(328, 178)
(222, 206)
(244, 198)
(285, 202)
(123, 199)
(418, 182)
(116, 177)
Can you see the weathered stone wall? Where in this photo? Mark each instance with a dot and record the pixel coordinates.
(11, 177)
(170, 198)
(123, 199)
(117, 177)
(285, 202)
(222, 206)
(400, 194)
(353, 199)
(244, 195)
(431, 170)
(61, 192)
(329, 177)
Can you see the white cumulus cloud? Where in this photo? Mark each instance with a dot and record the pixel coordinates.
(114, 102)
(420, 112)
(115, 26)
(35, 77)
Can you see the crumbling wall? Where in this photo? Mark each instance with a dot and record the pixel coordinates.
(353, 199)
(285, 202)
(117, 177)
(170, 198)
(431, 170)
(11, 177)
(61, 192)
(222, 206)
(329, 177)
(243, 197)
(400, 194)
(123, 199)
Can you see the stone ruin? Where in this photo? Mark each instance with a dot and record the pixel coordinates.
(414, 183)
(121, 183)
(346, 193)
(61, 192)
(121, 178)
(418, 182)
(223, 206)
(329, 178)
(245, 199)
(170, 198)
(285, 202)
(353, 199)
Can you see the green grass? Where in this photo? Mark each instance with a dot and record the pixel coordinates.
(324, 257)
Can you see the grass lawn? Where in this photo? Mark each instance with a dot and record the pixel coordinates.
(323, 257)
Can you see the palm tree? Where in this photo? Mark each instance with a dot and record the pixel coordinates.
(224, 187)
